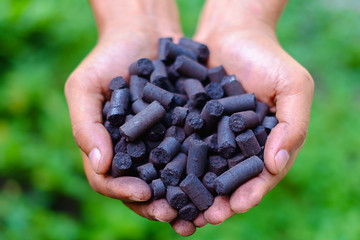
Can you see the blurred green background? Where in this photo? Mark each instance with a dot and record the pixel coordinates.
(44, 193)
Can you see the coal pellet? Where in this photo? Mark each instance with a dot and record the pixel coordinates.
(158, 189)
(174, 76)
(117, 83)
(269, 123)
(212, 142)
(226, 138)
(197, 192)
(162, 44)
(239, 174)
(176, 197)
(162, 154)
(178, 116)
(238, 103)
(174, 50)
(120, 165)
(179, 86)
(147, 172)
(187, 67)
(118, 106)
(113, 131)
(177, 132)
(214, 90)
(232, 86)
(248, 143)
(262, 109)
(201, 50)
(241, 121)
(136, 150)
(157, 132)
(217, 165)
(137, 85)
(180, 99)
(193, 123)
(106, 109)
(116, 115)
(159, 76)
(186, 144)
(216, 74)
(142, 121)
(142, 67)
(174, 170)
(239, 157)
(167, 121)
(189, 212)
(195, 92)
(261, 135)
(155, 93)
(208, 182)
(138, 106)
(197, 158)
(121, 146)
(211, 114)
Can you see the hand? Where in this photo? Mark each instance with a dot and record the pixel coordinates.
(252, 52)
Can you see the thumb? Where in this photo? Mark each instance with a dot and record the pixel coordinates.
(293, 105)
(85, 106)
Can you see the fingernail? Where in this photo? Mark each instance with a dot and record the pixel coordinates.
(281, 158)
(94, 157)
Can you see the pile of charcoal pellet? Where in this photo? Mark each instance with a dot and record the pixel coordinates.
(190, 132)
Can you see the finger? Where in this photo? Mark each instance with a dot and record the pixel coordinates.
(200, 221)
(293, 103)
(158, 210)
(219, 211)
(122, 188)
(182, 227)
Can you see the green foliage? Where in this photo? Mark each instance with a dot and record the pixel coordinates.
(44, 193)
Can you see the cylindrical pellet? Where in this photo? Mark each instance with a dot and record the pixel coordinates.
(189, 212)
(159, 76)
(162, 44)
(180, 99)
(167, 121)
(269, 123)
(142, 67)
(197, 158)
(136, 150)
(239, 157)
(118, 106)
(226, 138)
(113, 131)
(261, 135)
(232, 86)
(120, 164)
(142, 121)
(121, 146)
(214, 90)
(217, 165)
(179, 85)
(138, 106)
(174, 170)
(211, 114)
(241, 121)
(178, 116)
(154, 93)
(173, 76)
(137, 85)
(262, 109)
(195, 92)
(176, 197)
(174, 50)
(193, 123)
(238, 103)
(117, 83)
(186, 144)
(236, 176)
(157, 132)
(158, 189)
(216, 74)
(176, 132)
(212, 142)
(208, 182)
(147, 172)
(167, 149)
(201, 50)
(197, 192)
(248, 144)
(190, 68)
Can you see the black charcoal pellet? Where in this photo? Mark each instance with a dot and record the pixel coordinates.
(238, 103)
(186, 144)
(113, 131)
(174, 170)
(155, 93)
(173, 76)
(120, 165)
(162, 44)
(167, 149)
(138, 106)
(248, 144)
(142, 67)
(237, 175)
(201, 50)
(159, 76)
(147, 172)
(142, 121)
(116, 115)
(241, 121)
(197, 158)
(262, 109)
(197, 192)
(167, 121)
(188, 67)
(158, 189)
(137, 85)
(214, 90)
(157, 132)
(261, 135)
(226, 138)
(232, 86)
(269, 123)
(211, 114)
(176, 197)
(217, 165)
(239, 157)
(180, 99)
(117, 83)
(118, 106)
(212, 142)
(174, 50)
(195, 92)
(193, 123)
(178, 116)
(216, 74)
(189, 212)
(179, 86)
(121, 146)
(176, 132)
(208, 182)
(136, 150)
(106, 109)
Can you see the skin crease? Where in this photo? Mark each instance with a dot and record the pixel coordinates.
(251, 52)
